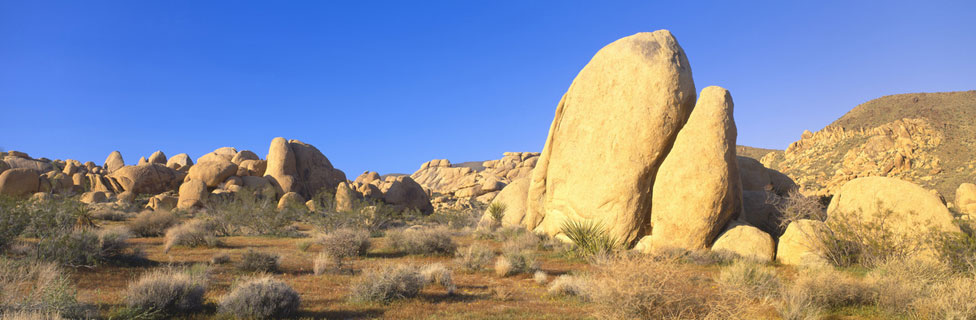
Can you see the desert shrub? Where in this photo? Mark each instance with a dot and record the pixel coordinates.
(35, 315)
(56, 217)
(13, 219)
(454, 218)
(110, 215)
(850, 240)
(513, 262)
(696, 257)
(421, 240)
(261, 298)
(388, 283)
(304, 245)
(819, 289)
(374, 216)
(112, 242)
(152, 223)
(955, 299)
(640, 287)
(496, 211)
(474, 258)
(797, 206)
(589, 238)
(901, 283)
(324, 263)
(74, 249)
(220, 258)
(255, 261)
(438, 274)
(37, 287)
(795, 303)
(751, 278)
(569, 286)
(192, 233)
(249, 213)
(172, 292)
(956, 249)
(345, 243)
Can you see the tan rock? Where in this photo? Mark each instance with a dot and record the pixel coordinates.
(158, 157)
(193, 193)
(512, 197)
(69, 169)
(369, 191)
(697, 190)
(758, 210)
(252, 168)
(802, 243)
(113, 161)
(611, 131)
(747, 241)
(213, 173)
(27, 163)
(142, 161)
(4, 166)
(146, 178)
(126, 197)
(41, 197)
(314, 171)
(281, 165)
(259, 185)
(753, 174)
(404, 193)
(93, 197)
(19, 182)
(369, 177)
(180, 162)
(908, 209)
(163, 202)
(244, 155)
(345, 198)
(966, 198)
(225, 154)
(291, 200)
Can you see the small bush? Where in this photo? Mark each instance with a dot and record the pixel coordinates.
(797, 206)
(113, 242)
(169, 291)
(474, 258)
(640, 287)
(852, 240)
(751, 278)
(152, 223)
(249, 212)
(254, 261)
(425, 241)
(569, 286)
(324, 263)
(540, 277)
(902, 283)
(261, 298)
(797, 304)
(954, 299)
(220, 258)
(345, 243)
(388, 283)
(37, 287)
(438, 274)
(829, 288)
(79, 248)
(496, 211)
(515, 262)
(13, 220)
(193, 233)
(589, 238)
(696, 257)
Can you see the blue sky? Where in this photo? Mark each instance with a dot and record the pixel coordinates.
(385, 86)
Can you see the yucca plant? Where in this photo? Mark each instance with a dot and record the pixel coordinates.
(589, 238)
(497, 211)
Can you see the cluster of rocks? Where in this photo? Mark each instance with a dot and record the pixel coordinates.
(292, 172)
(464, 186)
(632, 149)
(824, 161)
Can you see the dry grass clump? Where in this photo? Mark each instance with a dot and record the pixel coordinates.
(112, 242)
(324, 263)
(474, 258)
(905, 286)
(35, 288)
(828, 288)
(422, 240)
(753, 279)
(34, 315)
(193, 233)
(173, 292)
(388, 283)
(260, 298)
(255, 261)
(220, 258)
(513, 262)
(695, 257)
(438, 274)
(152, 223)
(570, 286)
(641, 287)
(540, 277)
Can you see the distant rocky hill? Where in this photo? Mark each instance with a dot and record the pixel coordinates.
(926, 138)
(752, 152)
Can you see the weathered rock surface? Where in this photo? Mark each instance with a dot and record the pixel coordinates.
(281, 166)
(461, 183)
(158, 157)
(802, 243)
(345, 198)
(697, 190)
(180, 162)
(291, 200)
(212, 173)
(113, 162)
(19, 182)
(966, 198)
(146, 179)
(610, 134)
(512, 197)
(906, 208)
(314, 171)
(224, 153)
(244, 155)
(404, 193)
(746, 241)
(193, 193)
(28, 163)
(93, 197)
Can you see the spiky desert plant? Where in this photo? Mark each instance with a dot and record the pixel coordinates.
(589, 238)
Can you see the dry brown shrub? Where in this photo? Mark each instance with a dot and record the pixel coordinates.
(641, 287)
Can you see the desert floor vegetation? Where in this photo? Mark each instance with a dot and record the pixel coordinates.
(442, 266)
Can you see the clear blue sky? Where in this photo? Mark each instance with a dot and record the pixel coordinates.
(385, 86)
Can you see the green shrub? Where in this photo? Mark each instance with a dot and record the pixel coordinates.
(192, 233)
(388, 283)
(421, 240)
(496, 211)
(589, 238)
(254, 261)
(851, 240)
(513, 262)
(249, 213)
(79, 248)
(751, 278)
(261, 298)
(13, 219)
(38, 287)
(474, 258)
(171, 292)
